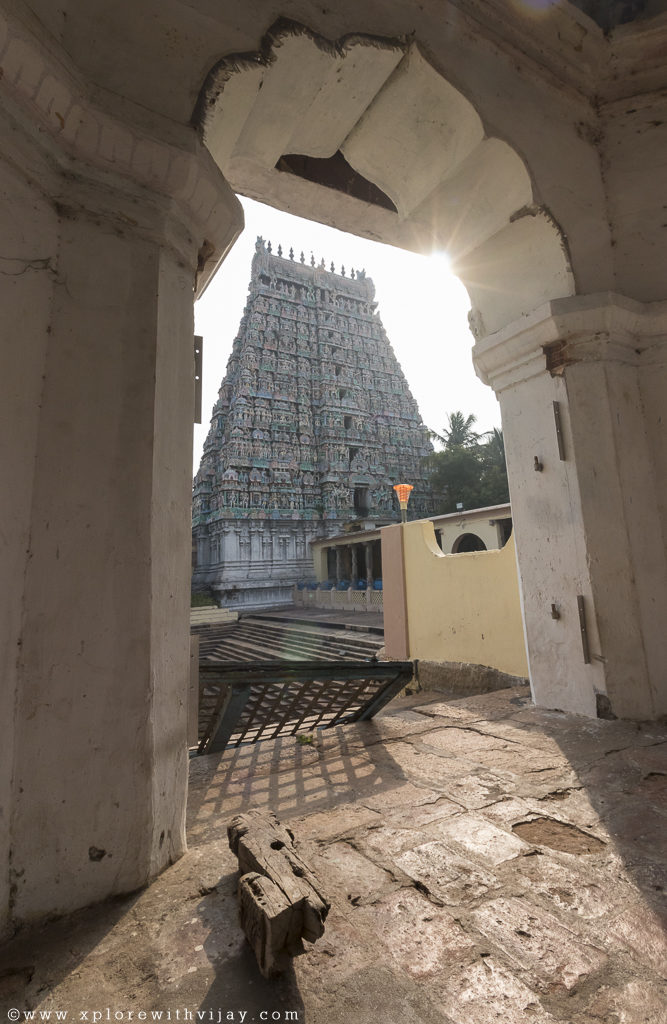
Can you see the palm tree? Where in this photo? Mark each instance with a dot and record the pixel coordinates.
(495, 487)
(458, 433)
(495, 446)
(471, 469)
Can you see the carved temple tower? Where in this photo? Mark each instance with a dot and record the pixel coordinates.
(313, 426)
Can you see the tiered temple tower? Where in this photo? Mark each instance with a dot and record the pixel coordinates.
(313, 426)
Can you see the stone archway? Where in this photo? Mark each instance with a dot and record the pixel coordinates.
(365, 135)
(369, 136)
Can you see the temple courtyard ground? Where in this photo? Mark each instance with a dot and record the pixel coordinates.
(486, 861)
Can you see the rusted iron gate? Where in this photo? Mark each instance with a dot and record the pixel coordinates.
(243, 702)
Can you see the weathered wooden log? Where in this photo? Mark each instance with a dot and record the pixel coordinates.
(280, 899)
(270, 924)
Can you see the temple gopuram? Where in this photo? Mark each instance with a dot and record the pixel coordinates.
(313, 426)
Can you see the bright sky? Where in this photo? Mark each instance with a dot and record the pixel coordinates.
(423, 307)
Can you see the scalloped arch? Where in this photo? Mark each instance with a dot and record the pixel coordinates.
(401, 126)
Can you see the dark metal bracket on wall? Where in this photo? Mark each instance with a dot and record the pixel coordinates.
(199, 362)
(583, 629)
(559, 432)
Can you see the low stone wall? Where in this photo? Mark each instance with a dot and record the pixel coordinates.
(344, 600)
(255, 595)
(463, 678)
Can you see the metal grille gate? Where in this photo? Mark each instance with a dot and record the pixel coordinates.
(243, 702)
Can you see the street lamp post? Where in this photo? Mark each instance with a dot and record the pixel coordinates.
(403, 495)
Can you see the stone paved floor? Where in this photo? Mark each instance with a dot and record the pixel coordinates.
(488, 863)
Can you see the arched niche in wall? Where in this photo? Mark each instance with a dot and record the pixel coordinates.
(365, 135)
(468, 542)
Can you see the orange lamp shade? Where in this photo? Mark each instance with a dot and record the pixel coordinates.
(403, 494)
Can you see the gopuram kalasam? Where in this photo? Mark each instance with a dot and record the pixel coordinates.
(313, 426)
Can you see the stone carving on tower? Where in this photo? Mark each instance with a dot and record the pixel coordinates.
(313, 426)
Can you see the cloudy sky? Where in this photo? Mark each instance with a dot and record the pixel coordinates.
(423, 307)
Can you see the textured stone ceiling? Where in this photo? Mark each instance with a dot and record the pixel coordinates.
(610, 13)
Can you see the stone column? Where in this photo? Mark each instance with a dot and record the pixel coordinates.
(245, 555)
(203, 546)
(368, 550)
(377, 545)
(590, 507)
(338, 564)
(103, 229)
(256, 554)
(228, 544)
(345, 561)
(353, 561)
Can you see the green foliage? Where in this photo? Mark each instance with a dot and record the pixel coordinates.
(469, 470)
(304, 739)
(458, 433)
(201, 600)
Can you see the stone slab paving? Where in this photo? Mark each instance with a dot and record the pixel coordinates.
(488, 863)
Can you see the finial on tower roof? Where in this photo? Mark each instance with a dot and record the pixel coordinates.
(312, 260)
(268, 247)
(280, 249)
(291, 253)
(352, 273)
(342, 271)
(322, 264)
(302, 257)
(332, 268)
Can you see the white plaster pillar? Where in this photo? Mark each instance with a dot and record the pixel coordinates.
(29, 230)
(592, 523)
(104, 228)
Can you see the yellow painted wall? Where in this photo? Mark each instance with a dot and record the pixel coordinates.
(463, 607)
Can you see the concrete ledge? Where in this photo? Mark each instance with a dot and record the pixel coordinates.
(335, 622)
(208, 616)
